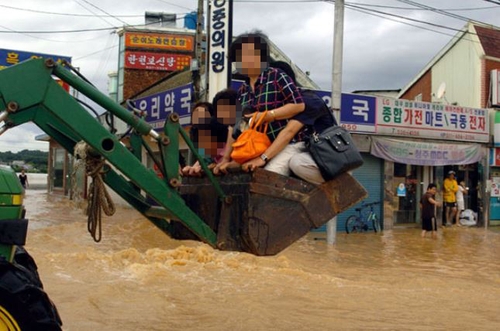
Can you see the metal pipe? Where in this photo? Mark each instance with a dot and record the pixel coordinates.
(3, 115)
(104, 101)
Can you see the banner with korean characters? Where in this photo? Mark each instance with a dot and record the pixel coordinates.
(405, 118)
(426, 153)
(172, 42)
(9, 57)
(160, 105)
(156, 61)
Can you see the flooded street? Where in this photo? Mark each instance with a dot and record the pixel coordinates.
(137, 278)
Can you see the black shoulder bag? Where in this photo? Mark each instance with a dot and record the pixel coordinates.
(334, 152)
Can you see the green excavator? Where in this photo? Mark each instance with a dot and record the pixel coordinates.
(260, 213)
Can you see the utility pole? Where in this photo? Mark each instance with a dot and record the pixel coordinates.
(197, 63)
(338, 39)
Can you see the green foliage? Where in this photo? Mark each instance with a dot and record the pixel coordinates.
(36, 159)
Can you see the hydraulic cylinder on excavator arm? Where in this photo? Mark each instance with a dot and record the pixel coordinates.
(261, 213)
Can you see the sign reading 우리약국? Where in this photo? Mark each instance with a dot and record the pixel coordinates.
(156, 61)
(158, 106)
(10, 57)
(159, 41)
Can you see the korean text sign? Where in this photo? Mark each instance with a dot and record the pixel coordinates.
(159, 41)
(398, 117)
(220, 37)
(156, 61)
(160, 105)
(10, 57)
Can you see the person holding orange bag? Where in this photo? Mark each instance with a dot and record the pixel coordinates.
(268, 89)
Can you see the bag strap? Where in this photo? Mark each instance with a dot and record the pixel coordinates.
(258, 126)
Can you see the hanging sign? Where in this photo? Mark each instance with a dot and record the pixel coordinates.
(425, 153)
(219, 66)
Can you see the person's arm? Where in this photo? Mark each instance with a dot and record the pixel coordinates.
(224, 163)
(434, 202)
(284, 112)
(281, 141)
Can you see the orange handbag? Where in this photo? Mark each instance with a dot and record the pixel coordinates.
(252, 142)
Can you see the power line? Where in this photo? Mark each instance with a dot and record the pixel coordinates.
(90, 11)
(364, 4)
(116, 18)
(435, 10)
(384, 15)
(64, 14)
(78, 30)
(175, 5)
(96, 52)
(496, 2)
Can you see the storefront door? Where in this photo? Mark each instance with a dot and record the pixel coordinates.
(58, 168)
(408, 179)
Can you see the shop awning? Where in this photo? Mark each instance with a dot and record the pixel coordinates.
(426, 153)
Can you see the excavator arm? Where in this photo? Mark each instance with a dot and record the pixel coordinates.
(242, 211)
(28, 93)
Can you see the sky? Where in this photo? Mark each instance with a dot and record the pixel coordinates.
(386, 42)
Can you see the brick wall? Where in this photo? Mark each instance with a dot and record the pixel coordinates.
(422, 86)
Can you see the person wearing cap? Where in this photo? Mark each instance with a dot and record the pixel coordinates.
(450, 188)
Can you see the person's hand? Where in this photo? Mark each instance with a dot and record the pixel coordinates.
(268, 118)
(253, 164)
(193, 171)
(221, 168)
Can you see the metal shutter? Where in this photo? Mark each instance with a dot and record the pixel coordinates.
(370, 176)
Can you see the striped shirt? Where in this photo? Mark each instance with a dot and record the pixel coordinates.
(273, 89)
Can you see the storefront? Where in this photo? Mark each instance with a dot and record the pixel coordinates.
(411, 165)
(413, 144)
(494, 186)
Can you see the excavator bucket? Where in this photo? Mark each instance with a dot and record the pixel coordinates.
(265, 212)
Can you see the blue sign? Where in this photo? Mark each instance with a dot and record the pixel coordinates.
(160, 105)
(236, 84)
(10, 57)
(326, 96)
(358, 109)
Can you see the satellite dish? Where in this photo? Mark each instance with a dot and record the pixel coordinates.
(441, 90)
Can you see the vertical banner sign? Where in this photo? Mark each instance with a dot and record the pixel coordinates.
(218, 64)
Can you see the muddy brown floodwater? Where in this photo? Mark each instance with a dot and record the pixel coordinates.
(137, 278)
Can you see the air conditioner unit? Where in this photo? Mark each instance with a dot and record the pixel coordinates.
(495, 88)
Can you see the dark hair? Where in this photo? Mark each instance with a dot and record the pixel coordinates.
(226, 94)
(217, 131)
(431, 185)
(258, 39)
(285, 67)
(207, 105)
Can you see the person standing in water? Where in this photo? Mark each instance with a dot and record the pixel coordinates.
(23, 178)
(428, 206)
